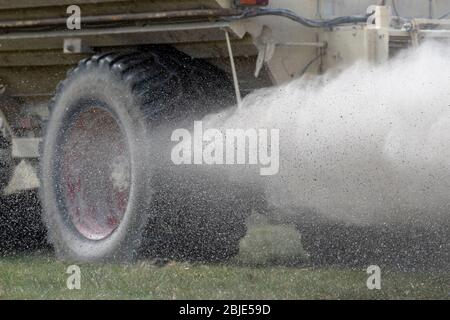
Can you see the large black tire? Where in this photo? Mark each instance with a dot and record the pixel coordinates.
(136, 94)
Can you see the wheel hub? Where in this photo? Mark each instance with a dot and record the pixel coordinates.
(96, 175)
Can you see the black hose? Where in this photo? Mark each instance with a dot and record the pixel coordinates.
(312, 23)
(309, 64)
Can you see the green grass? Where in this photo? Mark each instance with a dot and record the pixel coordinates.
(260, 271)
(45, 278)
(271, 245)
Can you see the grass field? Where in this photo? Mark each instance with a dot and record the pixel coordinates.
(260, 271)
(41, 277)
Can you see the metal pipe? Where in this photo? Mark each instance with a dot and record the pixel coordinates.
(127, 17)
(233, 71)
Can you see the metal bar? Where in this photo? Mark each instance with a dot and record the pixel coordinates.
(112, 31)
(118, 36)
(127, 17)
(442, 22)
(233, 70)
(434, 33)
(25, 4)
(302, 44)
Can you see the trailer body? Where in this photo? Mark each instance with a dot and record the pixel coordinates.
(37, 47)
